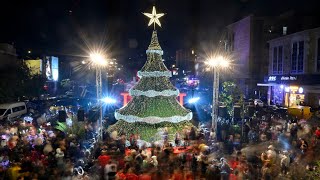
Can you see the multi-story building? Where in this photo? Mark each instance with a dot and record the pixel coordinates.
(247, 40)
(185, 61)
(113, 68)
(294, 69)
(8, 55)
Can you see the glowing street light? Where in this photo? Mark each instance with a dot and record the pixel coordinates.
(193, 100)
(216, 63)
(109, 100)
(99, 61)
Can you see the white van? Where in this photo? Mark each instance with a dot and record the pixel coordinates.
(12, 110)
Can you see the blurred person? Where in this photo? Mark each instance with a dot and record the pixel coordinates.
(13, 171)
(225, 169)
(120, 175)
(177, 174)
(110, 170)
(130, 175)
(154, 161)
(145, 175)
(271, 154)
(303, 146)
(266, 171)
(284, 162)
(317, 132)
(177, 139)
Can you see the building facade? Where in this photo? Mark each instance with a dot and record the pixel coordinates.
(185, 61)
(247, 40)
(8, 55)
(294, 69)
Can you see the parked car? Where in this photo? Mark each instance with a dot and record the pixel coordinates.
(12, 110)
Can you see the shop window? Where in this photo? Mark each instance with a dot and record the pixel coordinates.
(277, 61)
(297, 57)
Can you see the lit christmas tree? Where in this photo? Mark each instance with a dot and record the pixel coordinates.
(154, 104)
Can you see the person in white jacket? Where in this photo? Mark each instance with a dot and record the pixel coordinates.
(154, 161)
(284, 162)
(110, 170)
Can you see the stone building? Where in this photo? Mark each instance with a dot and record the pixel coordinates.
(294, 69)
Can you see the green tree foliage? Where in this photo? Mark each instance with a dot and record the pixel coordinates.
(230, 95)
(16, 81)
(77, 128)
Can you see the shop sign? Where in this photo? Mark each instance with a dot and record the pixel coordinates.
(288, 78)
(272, 78)
(282, 78)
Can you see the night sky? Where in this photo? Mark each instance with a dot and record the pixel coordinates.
(68, 27)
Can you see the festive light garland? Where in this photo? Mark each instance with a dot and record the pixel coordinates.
(160, 106)
(154, 51)
(152, 119)
(153, 93)
(154, 74)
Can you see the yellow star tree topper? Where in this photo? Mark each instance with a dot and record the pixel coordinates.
(154, 17)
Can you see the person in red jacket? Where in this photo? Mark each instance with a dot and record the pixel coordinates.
(103, 159)
(131, 175)
(317, 133)
(145, 175)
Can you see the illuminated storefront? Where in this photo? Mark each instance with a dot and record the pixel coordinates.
(293, 96)
(291, 91)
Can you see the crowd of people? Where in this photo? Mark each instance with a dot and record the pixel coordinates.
(276, 143)
(40, 151)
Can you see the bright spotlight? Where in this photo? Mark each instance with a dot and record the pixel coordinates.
(218, 61)
(212, 62)
(224, 64)
(193, 100)
(109, 100)
(98, 59)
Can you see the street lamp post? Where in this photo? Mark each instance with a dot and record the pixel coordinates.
(216, 63)
(99, 96)
(99, 62)
(215, 99)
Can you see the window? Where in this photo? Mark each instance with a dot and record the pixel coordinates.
(300, 56)
(277, 64)
(318, 56)
(15, 109)
(284, 30)
(294, 57)
(297, 57)
(8, 112)
(22, 108)
(280, 60)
